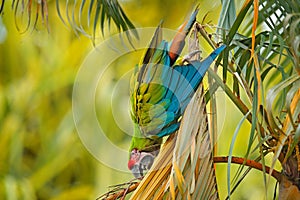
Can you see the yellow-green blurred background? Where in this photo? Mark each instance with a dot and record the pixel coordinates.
(41, 155)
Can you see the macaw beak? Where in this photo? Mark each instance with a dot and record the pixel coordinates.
(140, 162)
(136, 171)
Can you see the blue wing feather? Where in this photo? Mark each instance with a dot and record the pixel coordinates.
(191, 75)
(172, 87)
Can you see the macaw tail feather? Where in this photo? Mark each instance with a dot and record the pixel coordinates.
(178, 41)
(216, 52)
(202, 66)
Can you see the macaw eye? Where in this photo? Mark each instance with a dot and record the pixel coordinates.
(134, 153)
(146, 162)
(143, 164)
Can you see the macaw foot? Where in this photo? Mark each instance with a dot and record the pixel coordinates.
(189, 57)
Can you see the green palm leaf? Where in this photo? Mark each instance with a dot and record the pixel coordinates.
(277, 53)
(80, 15)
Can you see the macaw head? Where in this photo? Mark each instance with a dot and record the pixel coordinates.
(140, 162)
(142, 152)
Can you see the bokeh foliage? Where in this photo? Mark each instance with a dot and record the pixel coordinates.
(41, 155)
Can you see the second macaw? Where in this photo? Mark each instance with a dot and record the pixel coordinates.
(160, 93)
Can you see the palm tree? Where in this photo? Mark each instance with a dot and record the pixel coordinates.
(261, 68)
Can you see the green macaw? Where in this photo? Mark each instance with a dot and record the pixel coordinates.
(160, 93)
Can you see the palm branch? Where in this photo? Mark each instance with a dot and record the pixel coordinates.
(80, 15)
(264, 65)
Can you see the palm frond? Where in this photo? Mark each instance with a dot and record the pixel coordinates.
(24, 13)
(268, 59)
(257, 63)
(291, 25)
(83, 15)
(80, 15)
